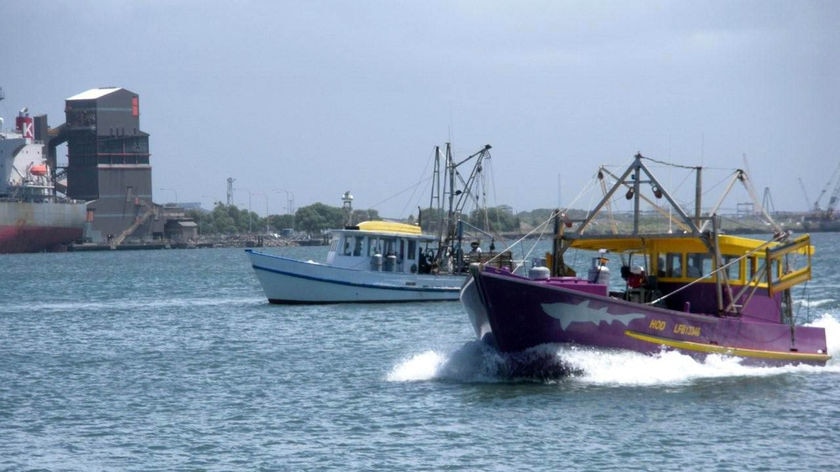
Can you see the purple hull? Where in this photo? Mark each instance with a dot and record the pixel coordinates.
(519, 313)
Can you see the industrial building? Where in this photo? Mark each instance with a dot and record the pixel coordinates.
(108, 166)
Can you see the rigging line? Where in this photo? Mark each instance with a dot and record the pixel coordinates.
(670, 164)
(415, 186)
(411, 200)
(518, 241)
(412, 187)
(662, 211)
(721, 182)
(526, 255)
(554, 214)
(493, 194)
(584, 191)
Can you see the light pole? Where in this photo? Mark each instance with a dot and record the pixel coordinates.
(290, 201)
(173, 191)
(249, 207)
(249, 212)
(266, 209)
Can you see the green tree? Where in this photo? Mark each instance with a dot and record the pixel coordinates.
(430, 219)
(365, 215)
(314, 219)
(500, 219)
(540, 215)
(281, 222)
(318, 217)
(226, 219)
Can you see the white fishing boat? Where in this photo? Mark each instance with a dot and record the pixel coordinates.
(384, 261)
(376, 261)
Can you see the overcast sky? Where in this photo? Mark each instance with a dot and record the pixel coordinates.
(312, 98)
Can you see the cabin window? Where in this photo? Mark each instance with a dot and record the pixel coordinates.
(374, 247)
(348, 245)
(412, 249)
(390, 246)
(733, 271)
(357, 247)
(673, 264)
(756, 265)
(699, 265)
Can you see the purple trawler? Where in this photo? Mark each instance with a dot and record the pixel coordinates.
(695, 290)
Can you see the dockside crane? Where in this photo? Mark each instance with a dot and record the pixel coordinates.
(805, 192)
(832, 201)
(835, 194)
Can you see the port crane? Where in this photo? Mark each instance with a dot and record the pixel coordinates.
(828, 213)
(833, 184)
(805, 192)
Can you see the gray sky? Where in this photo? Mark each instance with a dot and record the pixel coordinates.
(319, 97)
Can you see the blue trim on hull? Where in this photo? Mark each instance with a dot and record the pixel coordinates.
(278, 301)
(350, 284)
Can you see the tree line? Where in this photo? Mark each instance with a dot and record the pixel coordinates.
(312, 220)
(316, 218)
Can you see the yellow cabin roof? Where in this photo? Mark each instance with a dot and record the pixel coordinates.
(733, 245)
(389, 227)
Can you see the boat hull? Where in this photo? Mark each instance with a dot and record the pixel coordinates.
(37, 227)
(516, 313)
(292, 281)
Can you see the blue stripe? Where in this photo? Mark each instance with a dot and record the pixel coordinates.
(350, 284)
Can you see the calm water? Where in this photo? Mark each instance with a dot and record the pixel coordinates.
(172, 360)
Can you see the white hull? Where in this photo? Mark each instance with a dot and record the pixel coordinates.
(471, 300)
(286, 280)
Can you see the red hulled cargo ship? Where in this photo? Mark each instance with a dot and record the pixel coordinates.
(34, 217)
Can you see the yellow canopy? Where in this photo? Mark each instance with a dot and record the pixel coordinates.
(733, 245)
(389, 227)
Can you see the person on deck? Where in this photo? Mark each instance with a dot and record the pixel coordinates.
(475, 252)
(637, 277)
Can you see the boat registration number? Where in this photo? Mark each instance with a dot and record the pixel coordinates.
(679, 328)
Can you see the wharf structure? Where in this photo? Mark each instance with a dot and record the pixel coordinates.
(108, 165)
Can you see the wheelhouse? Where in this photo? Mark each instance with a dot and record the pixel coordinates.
(734, 275)
(381, 246)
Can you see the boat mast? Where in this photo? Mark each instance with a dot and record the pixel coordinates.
(698, 193)
(455, 207)
(637, 195)
(634, 173)
(450, 214)
(435, 204)
(434, 201)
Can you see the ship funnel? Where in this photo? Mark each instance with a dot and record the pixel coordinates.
(24, 125)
